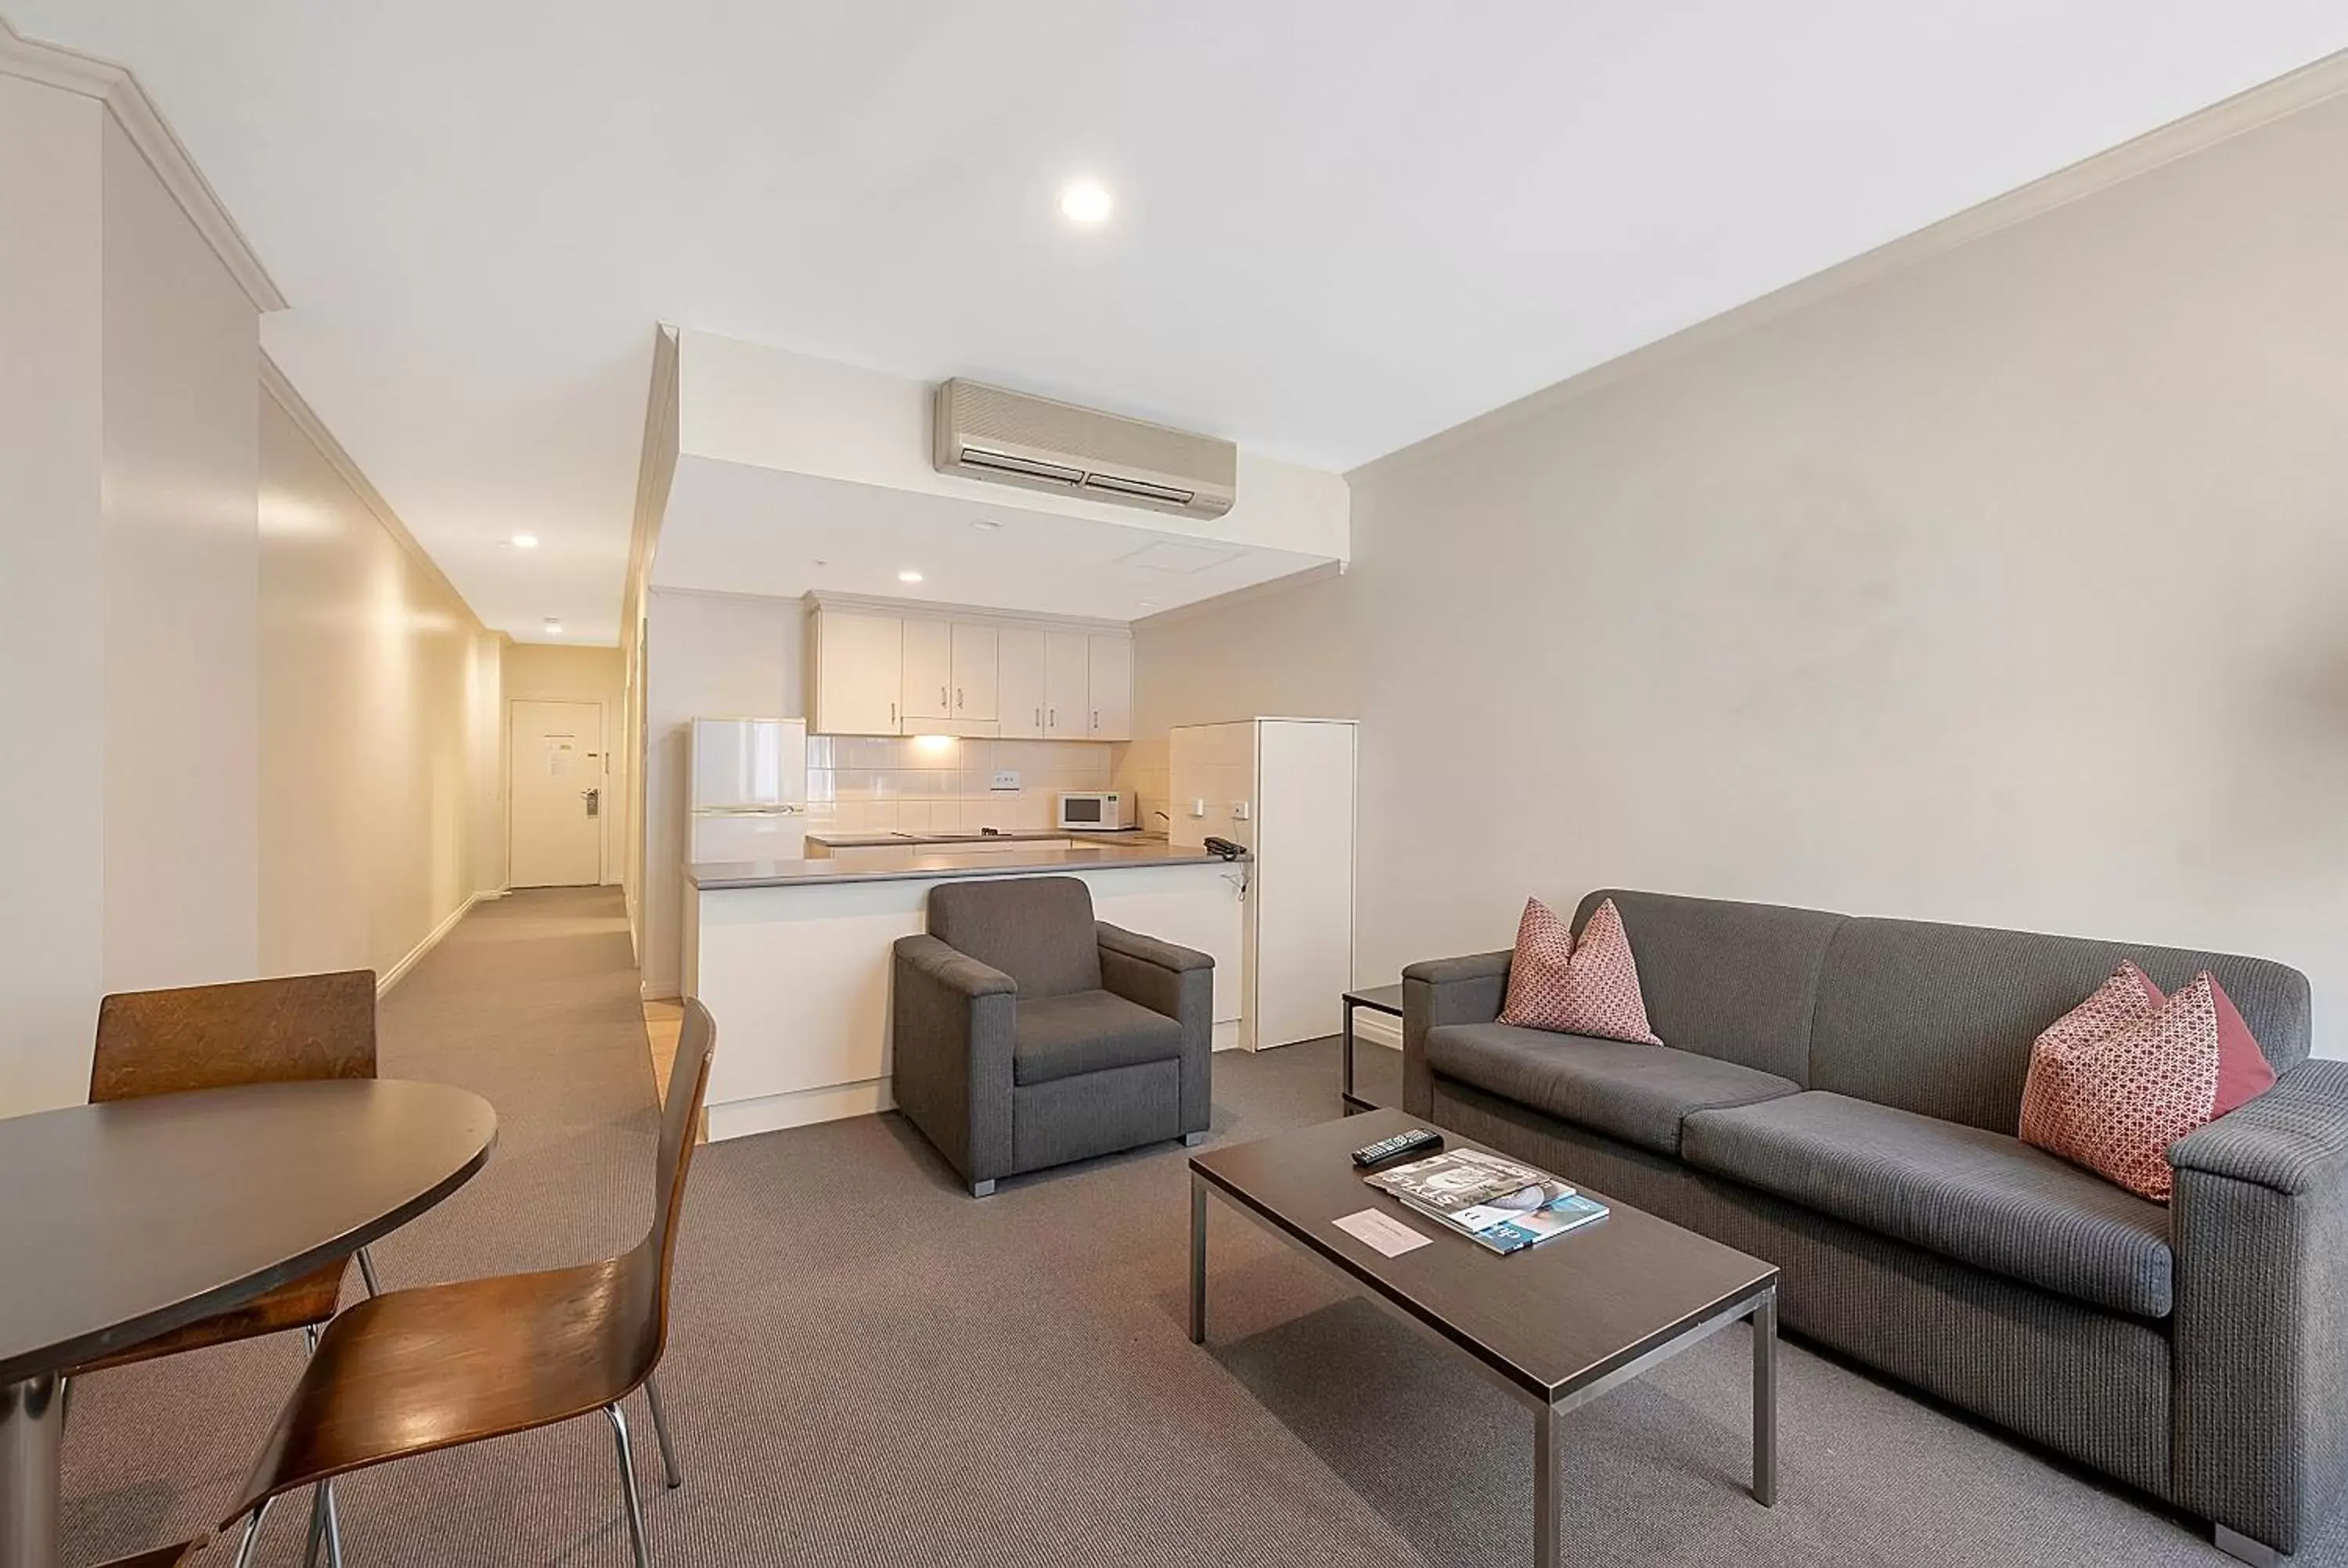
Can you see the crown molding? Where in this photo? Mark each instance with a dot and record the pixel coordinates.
(115, 87)
(274, 381)
(2222, 121)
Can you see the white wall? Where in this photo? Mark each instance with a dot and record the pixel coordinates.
(180, 468)
(2006, 587)
(52, 791)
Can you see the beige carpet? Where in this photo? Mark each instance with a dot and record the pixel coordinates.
(871, 1369)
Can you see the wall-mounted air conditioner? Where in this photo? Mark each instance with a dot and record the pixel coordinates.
(985, 433)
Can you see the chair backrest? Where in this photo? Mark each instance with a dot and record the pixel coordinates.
(295, 1029)
(1038, 931)
(654, 1259)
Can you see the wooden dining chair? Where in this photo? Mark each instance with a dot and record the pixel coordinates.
(292, 1030)
(413, 1371)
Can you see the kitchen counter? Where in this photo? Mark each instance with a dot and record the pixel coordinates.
(913, 861)
(1016, 836)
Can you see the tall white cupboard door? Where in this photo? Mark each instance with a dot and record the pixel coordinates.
(976, 672)
(1067, 684)
(929, 670)
(859, 663)
(1019, 682)
(1304, 878)
(1109, 685)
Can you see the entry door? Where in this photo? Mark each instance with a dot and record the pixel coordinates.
(555, 835)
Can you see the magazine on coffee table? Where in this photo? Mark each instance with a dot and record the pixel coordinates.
(1493, 1201)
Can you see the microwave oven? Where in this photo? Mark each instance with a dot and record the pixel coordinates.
(1094, 810)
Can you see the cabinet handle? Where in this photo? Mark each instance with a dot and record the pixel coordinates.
(1039, 718)
(942, 696)
(892, 714)
(957, 696)
(1056, 717)
(1096, 717)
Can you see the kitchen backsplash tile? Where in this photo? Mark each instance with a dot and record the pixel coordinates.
(864, 784)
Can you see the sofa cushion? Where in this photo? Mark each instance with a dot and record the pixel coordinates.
(1038, 931)
(1570, 984)
(1087, 1032)
(1966, 1192)
(1738, 981)
(1941, 1019)
(1634, 1093)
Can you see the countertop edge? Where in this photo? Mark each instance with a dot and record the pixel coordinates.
(723, 876)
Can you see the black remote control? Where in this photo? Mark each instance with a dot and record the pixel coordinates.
(1415, 1141)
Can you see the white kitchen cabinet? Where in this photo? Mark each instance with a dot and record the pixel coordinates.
(1068, 685)
(928, 691)
(1019, 682)
(1109, 687)
(976, 654)
(858, 659)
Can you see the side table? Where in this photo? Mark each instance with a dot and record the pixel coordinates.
(1386, 999)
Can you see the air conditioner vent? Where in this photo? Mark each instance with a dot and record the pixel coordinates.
(1009, 439)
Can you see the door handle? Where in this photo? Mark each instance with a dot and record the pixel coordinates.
(594, 799)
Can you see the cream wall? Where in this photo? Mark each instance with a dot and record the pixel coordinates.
(177, 482)
(1285, 650)
(51, 814)
(379, 690)
(540, 671)
(2004, 586)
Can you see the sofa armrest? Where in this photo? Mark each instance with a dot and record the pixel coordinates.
(952, 1024)
(2258, 1221)
(1441, 991)
(1150, 950)
(1179, 982)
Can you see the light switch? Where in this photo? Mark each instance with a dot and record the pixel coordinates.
(1198, 808)
(1239, 811)
(1005, 778)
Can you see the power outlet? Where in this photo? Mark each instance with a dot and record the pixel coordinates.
(1005, 778)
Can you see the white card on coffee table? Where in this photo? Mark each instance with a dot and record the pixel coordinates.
(1384, 1232)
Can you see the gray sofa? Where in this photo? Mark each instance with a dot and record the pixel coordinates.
(1839, 1095)
(1028, 1034)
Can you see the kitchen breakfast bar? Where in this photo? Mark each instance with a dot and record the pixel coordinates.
(793, 955)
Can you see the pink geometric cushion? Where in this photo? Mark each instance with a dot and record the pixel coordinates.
(2119, 1078)
(1591, 987)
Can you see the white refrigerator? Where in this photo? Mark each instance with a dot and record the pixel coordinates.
(748, 784)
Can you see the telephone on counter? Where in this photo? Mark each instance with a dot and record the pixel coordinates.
(1224, 847)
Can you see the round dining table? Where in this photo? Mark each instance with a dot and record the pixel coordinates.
(124, 1221)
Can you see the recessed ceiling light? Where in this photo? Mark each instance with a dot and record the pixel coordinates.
(1085, 201)
(909, 577)
(989, 524)
(525, 541)
(553, 627)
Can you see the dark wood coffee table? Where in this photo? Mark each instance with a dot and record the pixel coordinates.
(1557, 1325)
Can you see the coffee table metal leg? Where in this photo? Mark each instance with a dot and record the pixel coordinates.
(1765, 1400)
(1198, 1262)
(1548, 1526)
(1345, 1056)
(32, 1418)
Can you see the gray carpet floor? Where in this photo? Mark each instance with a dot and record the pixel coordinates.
(871, 1369)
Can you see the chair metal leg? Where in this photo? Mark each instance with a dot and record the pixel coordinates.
(659, 1431)
(325, 1524)
(627, 1487)
(253, 1533)
(366, 1273)
(65, 1405)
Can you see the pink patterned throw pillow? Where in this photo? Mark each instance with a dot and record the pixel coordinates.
(2119, 1078)
(1589, 987)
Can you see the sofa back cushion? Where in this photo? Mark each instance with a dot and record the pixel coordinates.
(1037, 929)
(1733, 981)
(1939, 1019)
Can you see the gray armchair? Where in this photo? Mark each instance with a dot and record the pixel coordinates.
(1028, 1034)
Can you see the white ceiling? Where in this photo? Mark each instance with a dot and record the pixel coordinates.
(1341, 227)
(738, 529)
